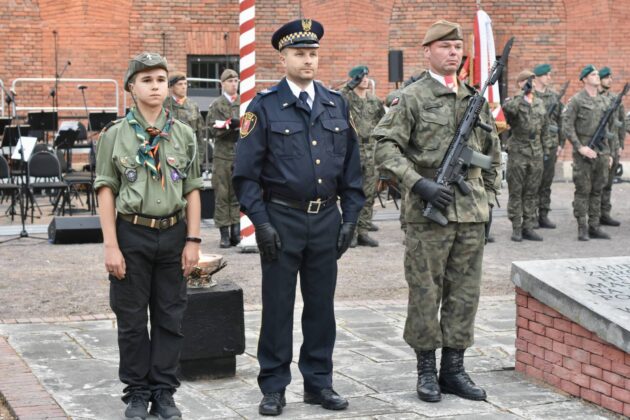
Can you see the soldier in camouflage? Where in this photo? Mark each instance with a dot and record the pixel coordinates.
(616, 145)
(549, 97)
(527, 144)
(442, 264)
(223, 122)
(366, 111)
(590, 168)
(185, 110)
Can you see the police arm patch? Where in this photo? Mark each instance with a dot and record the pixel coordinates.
(248, 122)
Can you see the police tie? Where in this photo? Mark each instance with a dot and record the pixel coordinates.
(304, 99)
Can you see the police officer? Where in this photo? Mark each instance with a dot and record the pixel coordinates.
(580, 119)
(527, 144)
(442, 264)
(185, 110)
(223, 122)
(616, 145)
(296, 154)
(366, 111)
(147, 180)
(549, 98)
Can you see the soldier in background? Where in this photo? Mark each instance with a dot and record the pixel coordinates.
(223, 122)
(366, 110)
(527, 144)
(549, 97)
(442, 264)
(616, 145)
(185, 110)
(580, 119)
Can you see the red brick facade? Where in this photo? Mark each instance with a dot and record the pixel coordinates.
(552, 348)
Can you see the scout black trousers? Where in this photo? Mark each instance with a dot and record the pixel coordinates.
(153, 280)
(309, 247)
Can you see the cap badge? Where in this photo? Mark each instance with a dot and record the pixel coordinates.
(306, 25)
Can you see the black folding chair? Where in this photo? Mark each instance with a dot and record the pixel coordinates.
(8, 188)
(45, 168)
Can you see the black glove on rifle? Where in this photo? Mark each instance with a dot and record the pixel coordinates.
(438, 195)
(346, 232)
(235, 123)
(268, 241)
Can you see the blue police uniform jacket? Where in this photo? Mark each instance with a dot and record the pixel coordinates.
(285, 151)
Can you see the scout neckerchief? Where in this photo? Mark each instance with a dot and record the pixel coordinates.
(148, 152)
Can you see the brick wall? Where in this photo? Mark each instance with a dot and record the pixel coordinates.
(552, 348)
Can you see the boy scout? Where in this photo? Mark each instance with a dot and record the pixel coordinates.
(442, 264)
(296, 155)
(223, 122)
(147, 179)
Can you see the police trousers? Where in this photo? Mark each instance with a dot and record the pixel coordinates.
(154, 280)
(309, 247)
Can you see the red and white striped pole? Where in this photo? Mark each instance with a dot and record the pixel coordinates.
(247, 47)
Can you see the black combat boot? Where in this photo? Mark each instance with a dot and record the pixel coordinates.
(454, 379)
(606, 220)
(517, 234)
(531, 235)
(225, 237)
(582, 230)
(363, 239)
(427, 388)
(235, 234)
(543, 220)
(595, 232)
(372, 227)
(354, 241)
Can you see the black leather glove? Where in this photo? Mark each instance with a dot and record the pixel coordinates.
(235, 123)
(438, 195)
(268, 241)
(529, 85)
(346, 232)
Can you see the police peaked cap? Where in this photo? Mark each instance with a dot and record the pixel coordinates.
(301, 33)
(142, 62)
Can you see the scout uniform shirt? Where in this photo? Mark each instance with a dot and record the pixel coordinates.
(136, 189)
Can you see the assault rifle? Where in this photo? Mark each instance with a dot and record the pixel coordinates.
(553, 106)
(600, 134)
(459, 157)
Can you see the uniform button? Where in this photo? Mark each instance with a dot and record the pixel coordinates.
(317, 161)
(158, 201)
(320, 180)
(287, 131)
(314, 142)
(336, 128)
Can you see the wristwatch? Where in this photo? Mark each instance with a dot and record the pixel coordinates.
(193, 239)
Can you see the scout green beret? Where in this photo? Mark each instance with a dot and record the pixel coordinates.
(142, 62)
(175, 77)
(604, 72)
(443, 30)
(587, 70)
(542, 69)
(524, 75)
(228, 74)
(358, 71)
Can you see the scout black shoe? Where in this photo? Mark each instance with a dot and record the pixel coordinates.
(225, 237)
(137, 408)
(428, 388)
(327, 398)
(530, 235)
(597, 233)
(454, 379)
(163, 406)
(271, 404)
(606, 220)
(363, 239)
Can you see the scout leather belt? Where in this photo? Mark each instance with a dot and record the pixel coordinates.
(431, 173)
(152, 222)
(313, 206)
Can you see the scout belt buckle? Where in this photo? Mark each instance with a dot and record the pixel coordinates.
(314, 206)
(165, 223)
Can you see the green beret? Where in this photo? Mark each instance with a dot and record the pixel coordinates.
(587, 70)
(524, 75)
(176, 77)
(542, 69)
(143, 62)
(604, 72)
(228, 74)
(443, 30)
(358, 71)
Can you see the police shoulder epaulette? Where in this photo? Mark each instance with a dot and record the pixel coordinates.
(267, 91)
(336, 92)
(110, 124)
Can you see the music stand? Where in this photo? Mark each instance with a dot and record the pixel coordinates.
(45, 121)
(10, 139)
(98, 120)
(68, 134)
(4, 121)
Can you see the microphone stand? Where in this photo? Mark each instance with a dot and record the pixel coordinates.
(92, 158)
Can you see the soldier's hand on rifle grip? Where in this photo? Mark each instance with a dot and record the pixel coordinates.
(439, 196)
(268, 241)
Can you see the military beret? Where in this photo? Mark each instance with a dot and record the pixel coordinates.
(142, 62)
(542, 69)
(443, 30)
(604, 72)
(301, 33)
(176, 77)
(524, 75)
(587, 70)
(228, 74)
(358, 71)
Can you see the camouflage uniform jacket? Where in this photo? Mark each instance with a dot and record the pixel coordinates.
(618, 123)
(413, 137)
(529, 134)
(549, 97)
(365, 113)
(188, 113)
(581, 118)
(224, 139)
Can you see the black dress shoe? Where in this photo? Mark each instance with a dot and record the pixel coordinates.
(272, 403)
(327, 398)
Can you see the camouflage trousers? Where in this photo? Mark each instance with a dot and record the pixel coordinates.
(607, 191)
(549, 170)
(443, 271)
(226, 206)
(590, 177)
(369, 188)
(523, 177)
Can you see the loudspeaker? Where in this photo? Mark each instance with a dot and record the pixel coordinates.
(395, 66)
(75, 230)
